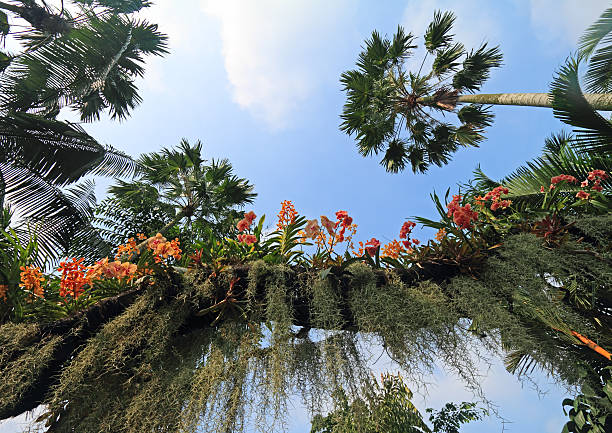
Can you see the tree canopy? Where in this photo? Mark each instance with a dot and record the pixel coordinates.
(86, 61)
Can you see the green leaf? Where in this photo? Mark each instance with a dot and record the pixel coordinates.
(4, 24)
(594, 133)
(438, 34)
(324, 273)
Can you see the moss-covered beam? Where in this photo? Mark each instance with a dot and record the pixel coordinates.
(76, 330)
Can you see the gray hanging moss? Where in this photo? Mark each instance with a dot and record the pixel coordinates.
(180, 357)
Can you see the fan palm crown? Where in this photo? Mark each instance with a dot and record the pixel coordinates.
(391, 109)
(403, 113)
(182, 180)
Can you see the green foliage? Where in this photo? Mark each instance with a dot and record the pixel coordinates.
(594, 132)
(87, 63)
(222, 344)
(451, 416)
(14, 255)
(386, 407)
(118, 6)
(595, 46)
(283, 243)
(178, 193)
(387, 107)
(90, 68)
(560, 156)
(591, 411)
(437, 34)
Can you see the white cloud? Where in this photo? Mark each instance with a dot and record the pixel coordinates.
(271, 50)
(562, 22)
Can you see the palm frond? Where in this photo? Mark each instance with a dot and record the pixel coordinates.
(595, 33)
(91, 68)
(520, 363)
(55, 213)
(559, 157)
(117, 6)
(447, 59)
(437, 33)
(396, 111)
(477, 67)
(594, 132)
(596, 45)
(60, 152)
(395, 157)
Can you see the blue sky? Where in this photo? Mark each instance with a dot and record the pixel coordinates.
(258, 83)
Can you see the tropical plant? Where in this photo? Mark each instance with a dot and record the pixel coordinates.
(13, 255)
(560, 156)
(175, 191)
(386, 407)
(596, 48)
(591, 411)
(87, 62)
(399, 112)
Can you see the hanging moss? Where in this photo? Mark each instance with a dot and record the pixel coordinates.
(22, 361)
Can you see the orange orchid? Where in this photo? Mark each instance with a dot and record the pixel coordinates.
(31, 279)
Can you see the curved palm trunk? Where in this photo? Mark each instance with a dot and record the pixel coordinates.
(599, 101)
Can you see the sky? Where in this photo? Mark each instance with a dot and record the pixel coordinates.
(258, 82)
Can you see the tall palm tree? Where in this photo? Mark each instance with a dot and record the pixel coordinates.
(86, 62)
(399, 111)
(173, 187)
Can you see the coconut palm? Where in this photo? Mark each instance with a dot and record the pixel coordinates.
(401, 112)
(173, 187)
(86, 62)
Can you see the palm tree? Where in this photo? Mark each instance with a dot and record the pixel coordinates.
(384, 101)
(172, 187)
(87, 62)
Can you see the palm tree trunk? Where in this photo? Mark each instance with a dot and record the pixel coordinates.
(599, 101)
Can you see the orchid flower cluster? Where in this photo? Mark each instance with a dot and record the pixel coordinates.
(595, 176)
(75, 276)
(245, 225)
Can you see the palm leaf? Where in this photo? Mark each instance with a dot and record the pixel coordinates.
(117, 6)
(598, 77)
(438, 34)
(60, 152)
(559, 157)
(90, 68)
(55, 213)
(594, 132)
(477, 68)
(520, 363)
